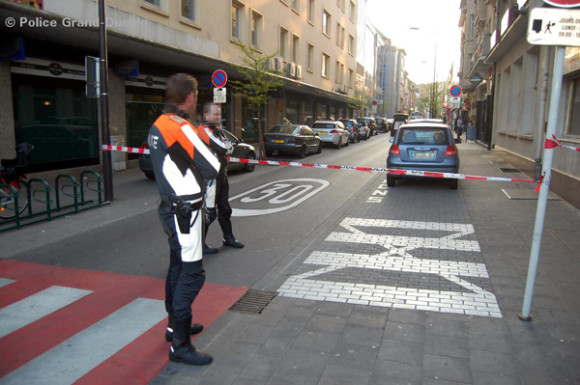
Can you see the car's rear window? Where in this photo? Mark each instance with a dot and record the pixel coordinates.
(423, 135)
(323, 125)
(283, 129)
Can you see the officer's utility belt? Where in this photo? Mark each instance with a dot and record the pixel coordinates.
(182, 206)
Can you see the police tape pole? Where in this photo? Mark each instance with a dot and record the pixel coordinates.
(545, 185)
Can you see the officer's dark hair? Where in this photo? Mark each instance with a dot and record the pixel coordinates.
(179, 86)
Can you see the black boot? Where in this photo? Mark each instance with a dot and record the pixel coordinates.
(229, 239)
(193, 329)
(209, 250)
(181, 348)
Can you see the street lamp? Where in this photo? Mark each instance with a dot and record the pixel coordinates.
(433, 91)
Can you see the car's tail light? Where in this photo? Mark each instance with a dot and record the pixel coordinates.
(395, 149)
(451, 150)
(334, 131)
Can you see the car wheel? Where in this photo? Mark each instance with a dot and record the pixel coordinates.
(249, 167)
(149, 175)
(453, 183)
(391, 181)
(339, 144)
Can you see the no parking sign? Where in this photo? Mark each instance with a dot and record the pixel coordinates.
(219, 78)
(455, 91)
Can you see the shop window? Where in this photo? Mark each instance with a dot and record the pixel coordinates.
(141, 111)
(55, 116)
(250, 123)
(292, 110)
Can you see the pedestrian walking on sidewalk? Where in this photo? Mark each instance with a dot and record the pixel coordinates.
(181, 162)
(218, 190)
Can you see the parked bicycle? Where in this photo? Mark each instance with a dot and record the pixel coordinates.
(13, 191)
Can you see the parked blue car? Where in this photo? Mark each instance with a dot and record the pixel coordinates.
(423, 147)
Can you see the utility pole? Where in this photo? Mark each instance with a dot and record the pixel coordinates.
(104, 102)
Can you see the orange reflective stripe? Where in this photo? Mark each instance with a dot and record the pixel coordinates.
(202, 133)
(169, 126)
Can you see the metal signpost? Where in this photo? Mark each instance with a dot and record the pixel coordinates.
(219, 79)
(559, 27)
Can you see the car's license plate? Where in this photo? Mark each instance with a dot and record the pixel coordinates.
(277, 140)
(422, 155)
(321, 132)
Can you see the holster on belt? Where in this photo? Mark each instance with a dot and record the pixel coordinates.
(182, 207)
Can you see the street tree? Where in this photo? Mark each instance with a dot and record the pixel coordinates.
(259, 80)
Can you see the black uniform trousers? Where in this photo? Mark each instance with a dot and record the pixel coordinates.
(184, 279)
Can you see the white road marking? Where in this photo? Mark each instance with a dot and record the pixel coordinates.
(36, 306)
(77, 356)
(472, 300)
(281, 195)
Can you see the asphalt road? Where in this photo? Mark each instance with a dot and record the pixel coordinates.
(291, 208)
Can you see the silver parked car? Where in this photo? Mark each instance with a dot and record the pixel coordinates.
(423, 147)
(331, 131)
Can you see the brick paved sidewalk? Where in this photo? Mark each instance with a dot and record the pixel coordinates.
(413, 288)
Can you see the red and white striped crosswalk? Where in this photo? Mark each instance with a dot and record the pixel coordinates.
(62, 325)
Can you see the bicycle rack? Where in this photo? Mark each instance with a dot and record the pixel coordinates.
(98, 190)
(74, 194)
(33, 193)
(62, 184)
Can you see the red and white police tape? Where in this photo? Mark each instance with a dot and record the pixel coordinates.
(555, 142)
(426, 174)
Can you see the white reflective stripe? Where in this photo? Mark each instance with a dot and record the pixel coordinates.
(223, 143)
(181, 184)
(191, 244)
(201, 147)
(77, 356)
(36, 306)
(210, 191)
(5, 281)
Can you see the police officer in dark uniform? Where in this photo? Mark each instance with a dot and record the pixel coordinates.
(181, 161)
(212, 135)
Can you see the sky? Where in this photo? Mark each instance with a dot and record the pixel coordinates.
(435, 29)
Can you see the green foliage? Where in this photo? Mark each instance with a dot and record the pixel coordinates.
(259, 79)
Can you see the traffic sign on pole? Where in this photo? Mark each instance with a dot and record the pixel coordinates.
(219, 78)
(455, 91)
(563, 3)
(551, 26)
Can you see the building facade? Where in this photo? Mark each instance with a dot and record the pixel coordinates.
(510, 105)
(42, 70)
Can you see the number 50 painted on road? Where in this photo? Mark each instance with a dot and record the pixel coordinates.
(277, 196)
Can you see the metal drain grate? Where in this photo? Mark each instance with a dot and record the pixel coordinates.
(509, 170)
(253, 302)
